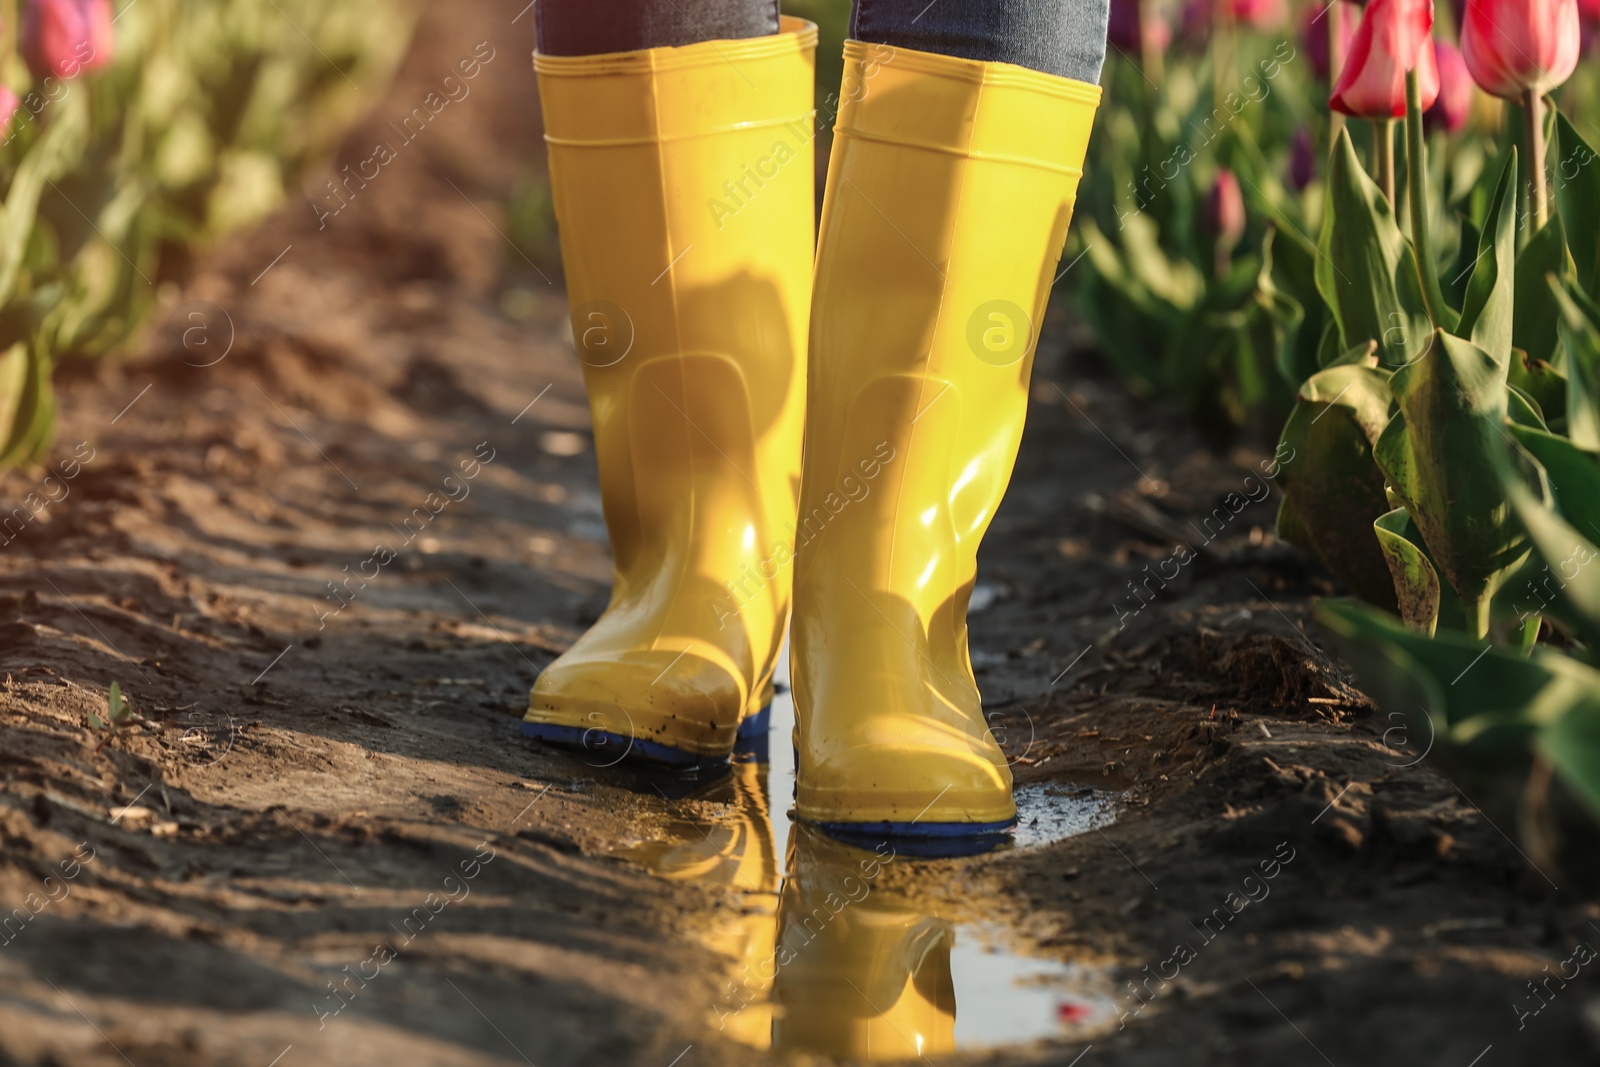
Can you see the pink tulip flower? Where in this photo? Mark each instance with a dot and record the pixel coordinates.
(1512, 47)
(1392, 40)
(66, 37)
(1449, 112)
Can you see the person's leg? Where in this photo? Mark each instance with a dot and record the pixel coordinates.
(1066, 38)
(594, 27)
(682, 182)
(949, 192)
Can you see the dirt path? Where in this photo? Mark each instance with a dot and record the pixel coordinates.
(325, 534)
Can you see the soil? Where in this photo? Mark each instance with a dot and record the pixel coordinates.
(317, 755)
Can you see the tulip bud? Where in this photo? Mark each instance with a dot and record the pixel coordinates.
(1128, 22)
(66, 37)
(9, 102)
(1224, 210)
(1393, 38)
(1224, 218)
(1195, 21)
(1449, 112)
(1302, 159)
(1314, 34)
(1263, 15)
(1516, 46)
(1588, 24)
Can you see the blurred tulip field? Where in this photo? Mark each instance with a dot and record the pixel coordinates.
(133, 140)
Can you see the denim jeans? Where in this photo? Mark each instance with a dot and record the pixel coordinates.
(1066, 38)
(590, 27)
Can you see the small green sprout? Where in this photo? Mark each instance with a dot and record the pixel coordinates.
(119, 714)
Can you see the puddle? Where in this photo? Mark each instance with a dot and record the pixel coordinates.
(829, 963)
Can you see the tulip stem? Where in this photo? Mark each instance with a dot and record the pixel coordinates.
(1150, 59)
(1224, 39)
(8, 27)
(1533, 123)
(1335, 16)
(1416, 180)
(1383, 155)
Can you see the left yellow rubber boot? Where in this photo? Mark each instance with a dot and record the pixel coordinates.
(949, 192)
(682, 182)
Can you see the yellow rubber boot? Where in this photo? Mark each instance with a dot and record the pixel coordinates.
(949, 193)
(682, 181)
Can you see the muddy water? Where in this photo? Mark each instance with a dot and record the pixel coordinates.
(827, 961)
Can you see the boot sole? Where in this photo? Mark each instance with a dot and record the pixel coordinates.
(932, 840)
(751, 737)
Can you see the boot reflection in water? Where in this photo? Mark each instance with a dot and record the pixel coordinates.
(734, 850)
(832, 966)
(680, 168)
(859, 976)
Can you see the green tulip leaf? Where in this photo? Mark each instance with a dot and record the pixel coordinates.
(54, 152)
(33, 411)
(1471, 685)
(1523, 410)
(1416, 583)
(1534, 322)
(1572, 745)
(1487, 307)
(1454, 284)
(1275, 328)
(1365, 355)
(1561, 576)
(1573, 473)
(1577, 195)
(1543, 385)
(1580, 356)
(14, 368)
(1366, 273)
(1386, 671)
(1333, 491)
(1439, 455)
(1328, 350)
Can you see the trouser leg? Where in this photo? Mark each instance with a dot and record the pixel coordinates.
(1066, 38)
(594, 27)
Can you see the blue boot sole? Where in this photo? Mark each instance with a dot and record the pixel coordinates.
(751, 736)
(931, 840)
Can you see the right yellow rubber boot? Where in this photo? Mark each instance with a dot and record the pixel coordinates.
(950, 188)
(682, 182)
